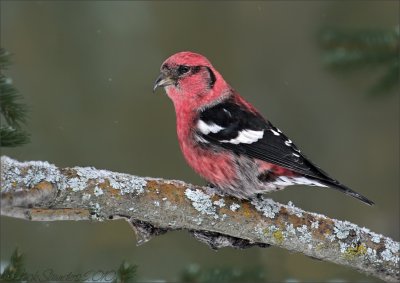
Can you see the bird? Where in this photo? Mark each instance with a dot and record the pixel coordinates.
(227, 141)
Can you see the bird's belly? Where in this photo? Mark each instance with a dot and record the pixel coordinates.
(216, 167)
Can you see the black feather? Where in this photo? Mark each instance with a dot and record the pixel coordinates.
(274, 147)
(213, 78)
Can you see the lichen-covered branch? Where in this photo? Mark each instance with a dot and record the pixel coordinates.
(40, 191)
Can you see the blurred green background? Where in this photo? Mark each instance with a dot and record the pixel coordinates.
(86, 70)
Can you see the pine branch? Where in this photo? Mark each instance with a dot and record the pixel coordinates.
(126, 273)
(364, 49)
(389, 80)
(5, 61)
(15, 270)
(39, 191)
(12, 110)
(11, 137)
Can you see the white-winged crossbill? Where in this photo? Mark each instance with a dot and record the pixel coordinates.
(227, 141)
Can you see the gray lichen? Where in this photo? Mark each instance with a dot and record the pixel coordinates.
(305, 235)
(349, 238)
(267, 206)
(290, 230)
(220, 203)
(376, 238)
(98, 191)
(389, 254)
(234, 206)
(315, 224)
(294, 210)
(201, 202)
(36, 171)
(341, 230)
(123, 182)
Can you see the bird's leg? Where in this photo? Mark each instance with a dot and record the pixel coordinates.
(259, 196)
(211, 185)
(215, 189)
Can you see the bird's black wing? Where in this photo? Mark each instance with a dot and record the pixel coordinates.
(234, 127)
(238, 128)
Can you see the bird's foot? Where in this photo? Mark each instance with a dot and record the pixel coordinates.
(211, 185)
(215, 189)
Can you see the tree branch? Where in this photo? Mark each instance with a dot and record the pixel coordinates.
(40, 191)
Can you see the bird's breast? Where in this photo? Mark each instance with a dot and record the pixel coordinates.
(216, 166)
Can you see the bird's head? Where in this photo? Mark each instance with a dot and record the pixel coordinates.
(187, 76)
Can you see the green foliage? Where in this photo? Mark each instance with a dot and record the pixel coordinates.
(11, 137)
(12, 111)
(364, 49)
(126, 273)
(15, 270)
(194, 274)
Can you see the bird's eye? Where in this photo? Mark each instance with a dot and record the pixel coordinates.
(182, 69)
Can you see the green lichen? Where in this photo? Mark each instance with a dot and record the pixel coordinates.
(353, 251)
(278, 236)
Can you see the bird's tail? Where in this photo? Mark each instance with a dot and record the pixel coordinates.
(344, 189)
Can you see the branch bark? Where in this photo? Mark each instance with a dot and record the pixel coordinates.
(40, 191)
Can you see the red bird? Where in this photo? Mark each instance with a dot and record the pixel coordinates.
(227, 141)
